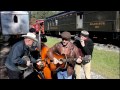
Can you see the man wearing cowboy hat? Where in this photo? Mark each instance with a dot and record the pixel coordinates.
(18, 50)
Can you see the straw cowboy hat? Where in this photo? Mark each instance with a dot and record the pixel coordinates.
(31, 36)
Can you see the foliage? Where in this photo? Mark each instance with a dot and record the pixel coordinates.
(42, 14)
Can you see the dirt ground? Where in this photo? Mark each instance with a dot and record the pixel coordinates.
(4, 50)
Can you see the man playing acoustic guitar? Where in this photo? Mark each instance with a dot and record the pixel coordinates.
(68, 52)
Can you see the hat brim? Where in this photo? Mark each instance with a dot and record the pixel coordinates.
(30, 37)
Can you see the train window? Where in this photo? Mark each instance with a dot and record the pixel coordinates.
(48, 25)
(70, 14)
(118, 21)
(15, 19)
(79, 21)
(66, 15)
(53, 22)
(81, 16)
(56, 22)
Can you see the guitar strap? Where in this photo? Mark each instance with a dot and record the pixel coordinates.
(71, 51)
(65, 62)
(27, 53)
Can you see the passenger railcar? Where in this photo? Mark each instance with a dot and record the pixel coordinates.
(103, 26)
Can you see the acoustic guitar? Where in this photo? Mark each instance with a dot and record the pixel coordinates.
(55, 67)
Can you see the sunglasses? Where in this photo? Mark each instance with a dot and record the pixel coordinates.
(64, 39)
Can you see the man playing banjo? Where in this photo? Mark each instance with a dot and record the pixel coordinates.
(17, 55)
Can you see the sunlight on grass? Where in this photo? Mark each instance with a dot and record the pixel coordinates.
(51, 41)
(106, 63)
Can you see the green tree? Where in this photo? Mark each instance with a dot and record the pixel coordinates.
(42, 14)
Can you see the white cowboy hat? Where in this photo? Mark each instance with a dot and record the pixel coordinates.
(31, 36)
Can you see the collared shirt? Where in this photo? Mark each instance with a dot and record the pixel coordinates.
(63, 75)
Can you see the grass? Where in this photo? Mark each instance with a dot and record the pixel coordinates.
(105, 63)
(51, 41)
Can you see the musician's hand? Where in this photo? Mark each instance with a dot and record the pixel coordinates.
(55, 61)
(60, 62)
(79, 60)
(38, 60)
(39, 63)
(82, 42)
(28, 63)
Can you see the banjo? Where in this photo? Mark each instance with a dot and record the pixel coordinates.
(24, 66)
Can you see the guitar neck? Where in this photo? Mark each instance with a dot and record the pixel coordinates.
(72, 59)
(69, 59)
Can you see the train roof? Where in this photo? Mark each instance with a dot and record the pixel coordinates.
(14, 12)
(68, 12)
(62, 13)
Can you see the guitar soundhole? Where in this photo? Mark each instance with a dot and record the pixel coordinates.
(60, 59)
(51, 60)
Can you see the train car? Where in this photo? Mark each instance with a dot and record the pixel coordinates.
(13, 24)
(103, 26)
(64, 21)
(40, 22)
(38, 25)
